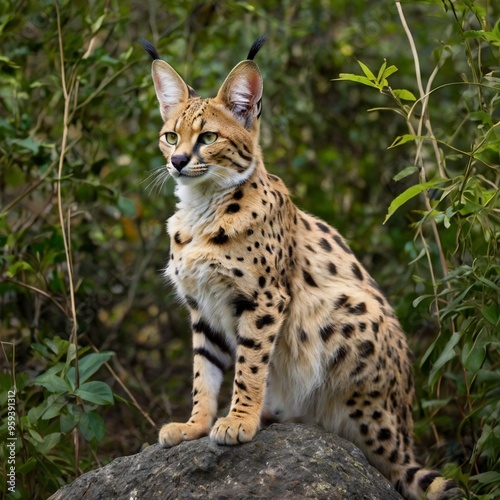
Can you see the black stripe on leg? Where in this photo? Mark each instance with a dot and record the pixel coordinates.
(200, 351)
(410, 474)
(425, 481)
(215, 337)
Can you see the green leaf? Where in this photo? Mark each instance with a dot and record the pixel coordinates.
(487, 477)
(53, 383)
(446, 355)
(473, 354)
(404, 95)
(88, 365)
(54, 410)
(492, 314)
(48, 443)
(96, 25)
(67, 422)
(70, 418)
(91, 426)
(405, 173)
(410, 193)
(380, 76)
(95, 392)
(403, 139)
(367, 71)
(389, 71)
(28, 143)
(357, 79)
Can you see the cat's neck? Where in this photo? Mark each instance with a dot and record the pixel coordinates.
(200, 205)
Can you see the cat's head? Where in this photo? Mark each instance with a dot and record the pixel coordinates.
(213, 140)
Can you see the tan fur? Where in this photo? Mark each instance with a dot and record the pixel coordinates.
(276, 294)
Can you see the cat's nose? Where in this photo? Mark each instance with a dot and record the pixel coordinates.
(180, 161)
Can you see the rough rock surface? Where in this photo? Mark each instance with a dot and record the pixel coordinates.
(288, 461)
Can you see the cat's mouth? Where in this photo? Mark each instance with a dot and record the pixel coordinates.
(189, 173)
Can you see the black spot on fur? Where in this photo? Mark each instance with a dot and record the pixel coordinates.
(323, 227)
(384, 434)
(232, 208)
(342, 244)
(254, 369)
(356, 414)
(306, 223)
(241, 385)
(358, 369)
(357, 309)
(265, 358)
(393, 457)
(325, 245)
(332, 268)
(241, 303)
(341, 301)
(249, 343)
(262, 281)
(366, 348)
(220, 238)
(177, 238)
(237, 272)
(263, 321)
(339, 356)
(238, 195)
(376, 415)
(363, 428)
(356, 270)
(326, 332)
(347, 330)
(309, 279)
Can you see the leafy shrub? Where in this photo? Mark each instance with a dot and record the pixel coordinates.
(81, 218)
(456, 230)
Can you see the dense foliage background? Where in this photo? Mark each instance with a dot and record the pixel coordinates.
(92, 338)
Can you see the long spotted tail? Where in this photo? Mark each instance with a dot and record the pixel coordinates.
(416, 483)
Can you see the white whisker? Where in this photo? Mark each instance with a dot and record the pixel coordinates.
(159, 177)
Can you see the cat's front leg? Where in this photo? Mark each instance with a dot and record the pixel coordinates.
(212, 356)
(257, 334)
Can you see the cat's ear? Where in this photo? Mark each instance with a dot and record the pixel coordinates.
(171, 89)
(241, 92)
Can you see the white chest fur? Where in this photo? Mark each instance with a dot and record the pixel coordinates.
(199, 273)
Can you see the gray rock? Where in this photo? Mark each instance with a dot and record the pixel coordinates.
(284, 461)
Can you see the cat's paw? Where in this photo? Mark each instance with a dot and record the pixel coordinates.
(173, 434)
(233, 430)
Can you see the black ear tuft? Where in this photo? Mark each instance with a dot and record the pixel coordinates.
(149, 49)
(257, 45)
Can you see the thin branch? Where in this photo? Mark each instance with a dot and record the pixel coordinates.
(126, 390)
(38, 291)
(67, 250)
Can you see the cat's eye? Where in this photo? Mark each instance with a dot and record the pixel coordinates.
(171, 138)
(208, 137)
